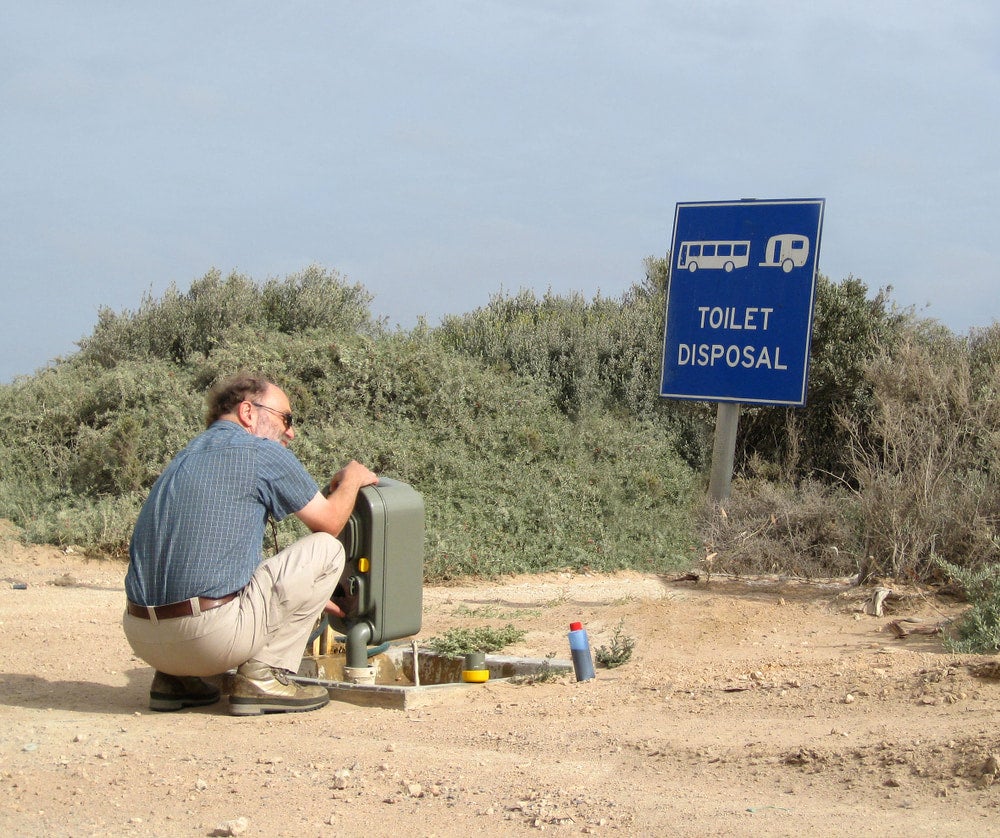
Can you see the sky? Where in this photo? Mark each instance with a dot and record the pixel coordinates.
(440, 153)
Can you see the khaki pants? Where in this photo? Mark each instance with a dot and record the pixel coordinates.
(269, 621)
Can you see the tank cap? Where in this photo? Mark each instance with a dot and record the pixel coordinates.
(575, 626)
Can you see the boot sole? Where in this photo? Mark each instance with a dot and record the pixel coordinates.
(258, 706)
(168, 704)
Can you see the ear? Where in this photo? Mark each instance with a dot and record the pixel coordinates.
(244, 414)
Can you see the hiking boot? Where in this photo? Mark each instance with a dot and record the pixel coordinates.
(259, 688)
(172, 692)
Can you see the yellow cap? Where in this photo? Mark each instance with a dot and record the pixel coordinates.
(475, 676)
(363, 564)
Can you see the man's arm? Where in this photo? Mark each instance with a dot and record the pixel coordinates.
(331, 513)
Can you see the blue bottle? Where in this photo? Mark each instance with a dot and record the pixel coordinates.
(579, 646)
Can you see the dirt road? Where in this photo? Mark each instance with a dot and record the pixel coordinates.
(746, 709)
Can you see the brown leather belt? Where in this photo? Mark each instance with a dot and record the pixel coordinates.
(184, 608)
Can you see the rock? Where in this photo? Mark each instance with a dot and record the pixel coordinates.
(236, 826)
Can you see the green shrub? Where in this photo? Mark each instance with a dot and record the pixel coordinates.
(182, 326)
(599, 355)
(78, 429)
(978, 629)
(99, 525)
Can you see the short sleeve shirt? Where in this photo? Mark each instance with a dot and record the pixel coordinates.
(201, 530)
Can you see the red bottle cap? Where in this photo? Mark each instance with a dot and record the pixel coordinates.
(575, 626)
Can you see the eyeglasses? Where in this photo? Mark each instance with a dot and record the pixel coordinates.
(286, 417)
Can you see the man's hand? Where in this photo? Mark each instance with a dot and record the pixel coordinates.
(333, 609)
(353, 474)
(330, 513)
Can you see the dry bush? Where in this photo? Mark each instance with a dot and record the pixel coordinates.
(805, 531)
(926, 469)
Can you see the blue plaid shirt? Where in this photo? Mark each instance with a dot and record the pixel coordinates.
(201, 530)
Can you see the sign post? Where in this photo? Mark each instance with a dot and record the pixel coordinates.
(738, 321)
(727, 421)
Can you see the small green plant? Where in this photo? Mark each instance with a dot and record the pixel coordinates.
(620, 650)
(978, 629)
(461, 641)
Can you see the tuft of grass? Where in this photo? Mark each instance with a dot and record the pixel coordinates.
(544, 675)
(487, 612)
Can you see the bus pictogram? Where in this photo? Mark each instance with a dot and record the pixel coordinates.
(713, 255)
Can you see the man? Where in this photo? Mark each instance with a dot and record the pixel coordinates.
(200, 598)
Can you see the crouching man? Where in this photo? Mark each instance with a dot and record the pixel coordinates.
(201, 600)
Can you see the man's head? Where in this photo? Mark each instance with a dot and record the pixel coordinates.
(255, 402)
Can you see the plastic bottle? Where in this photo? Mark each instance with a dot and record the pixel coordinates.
(579, 646)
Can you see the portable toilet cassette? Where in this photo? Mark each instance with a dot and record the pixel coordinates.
(381, 588)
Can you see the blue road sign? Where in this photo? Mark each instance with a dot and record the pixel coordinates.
(740, 302)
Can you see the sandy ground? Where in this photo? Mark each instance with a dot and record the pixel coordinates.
(767, 708)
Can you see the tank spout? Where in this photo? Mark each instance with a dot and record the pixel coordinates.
(358, 636)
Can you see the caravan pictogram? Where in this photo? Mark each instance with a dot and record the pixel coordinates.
(786, 251)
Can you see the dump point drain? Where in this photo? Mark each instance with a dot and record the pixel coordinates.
(397, 684)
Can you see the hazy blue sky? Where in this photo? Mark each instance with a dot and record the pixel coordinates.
(439, 152)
